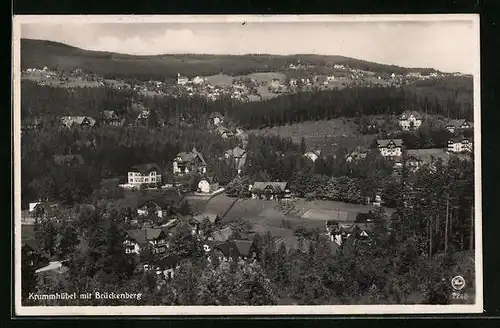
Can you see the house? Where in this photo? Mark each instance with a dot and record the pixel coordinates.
(45, 210)
(70, 121)
(269, 190)
(341, 232)
(207, 185)
(293, 82)
(356, 155)
(143, 117)
(182, 80)
(390, 148)
(216, 118)
(458, 125)
(221, 234)
(31, 253)
(416, 158)
(168, 265)
(371, 127)
(275, 84)
(189, 162)
(410, 120)
(330, 78)
(313, 155)
(69, 159)
(53, 267)
(147, 174)
(110, 117)
(137, 239)
(200, 219)
(235, 250)
(198, 80)
(225, 133)
(150, 207)
(459, 145)
(239, 155)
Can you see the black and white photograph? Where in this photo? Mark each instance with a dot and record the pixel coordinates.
(247, 164)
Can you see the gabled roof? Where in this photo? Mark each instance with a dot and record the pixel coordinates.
(385, 142)
(262, 185)
(70, 120)
(458, 123)
(426, 155)
(236, 152)
(406, 114)
(235, 248)
(110, 114)
(222, 234)
(148, 201)
(188, 157)
(458, 139)
(358, 152)
(142, 236)
(145, 168)
(215, 114)
(201, 217)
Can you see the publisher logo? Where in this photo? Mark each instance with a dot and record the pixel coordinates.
(458, 283)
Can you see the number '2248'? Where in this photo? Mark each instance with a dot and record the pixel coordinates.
(459, 296)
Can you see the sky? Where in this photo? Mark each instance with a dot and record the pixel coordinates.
(446, 45)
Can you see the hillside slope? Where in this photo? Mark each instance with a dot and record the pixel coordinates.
(55, 55)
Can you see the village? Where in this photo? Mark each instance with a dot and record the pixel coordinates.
(295, 77)
(157, 193)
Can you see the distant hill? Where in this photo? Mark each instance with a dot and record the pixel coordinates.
(59, 56)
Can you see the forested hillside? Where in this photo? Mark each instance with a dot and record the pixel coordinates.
(454, 101)
(58, 56)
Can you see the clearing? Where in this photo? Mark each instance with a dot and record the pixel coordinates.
(327, 135)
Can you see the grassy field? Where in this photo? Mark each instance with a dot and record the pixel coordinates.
(221, 80)
(327, 135)
(268, 213)
(267, 77)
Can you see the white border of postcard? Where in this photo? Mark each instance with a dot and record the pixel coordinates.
(241, 310)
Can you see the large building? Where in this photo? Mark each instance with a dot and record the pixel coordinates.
(390, 148)
(144, 174)
(189, 162)
(410, 120)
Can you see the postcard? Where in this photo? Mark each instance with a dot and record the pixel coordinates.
(252, 164)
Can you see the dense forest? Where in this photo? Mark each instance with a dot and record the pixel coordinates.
(354, 102)
(61, 57)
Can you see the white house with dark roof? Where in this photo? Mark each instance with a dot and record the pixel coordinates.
(135, 240)
(269, 190)
(410, 120)
(189, 162)
(144, 174)
(207, 185)
(70, 121)
(458, 125)
(460, 145)
(390, 148)
(416, 158)
(313, 155)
